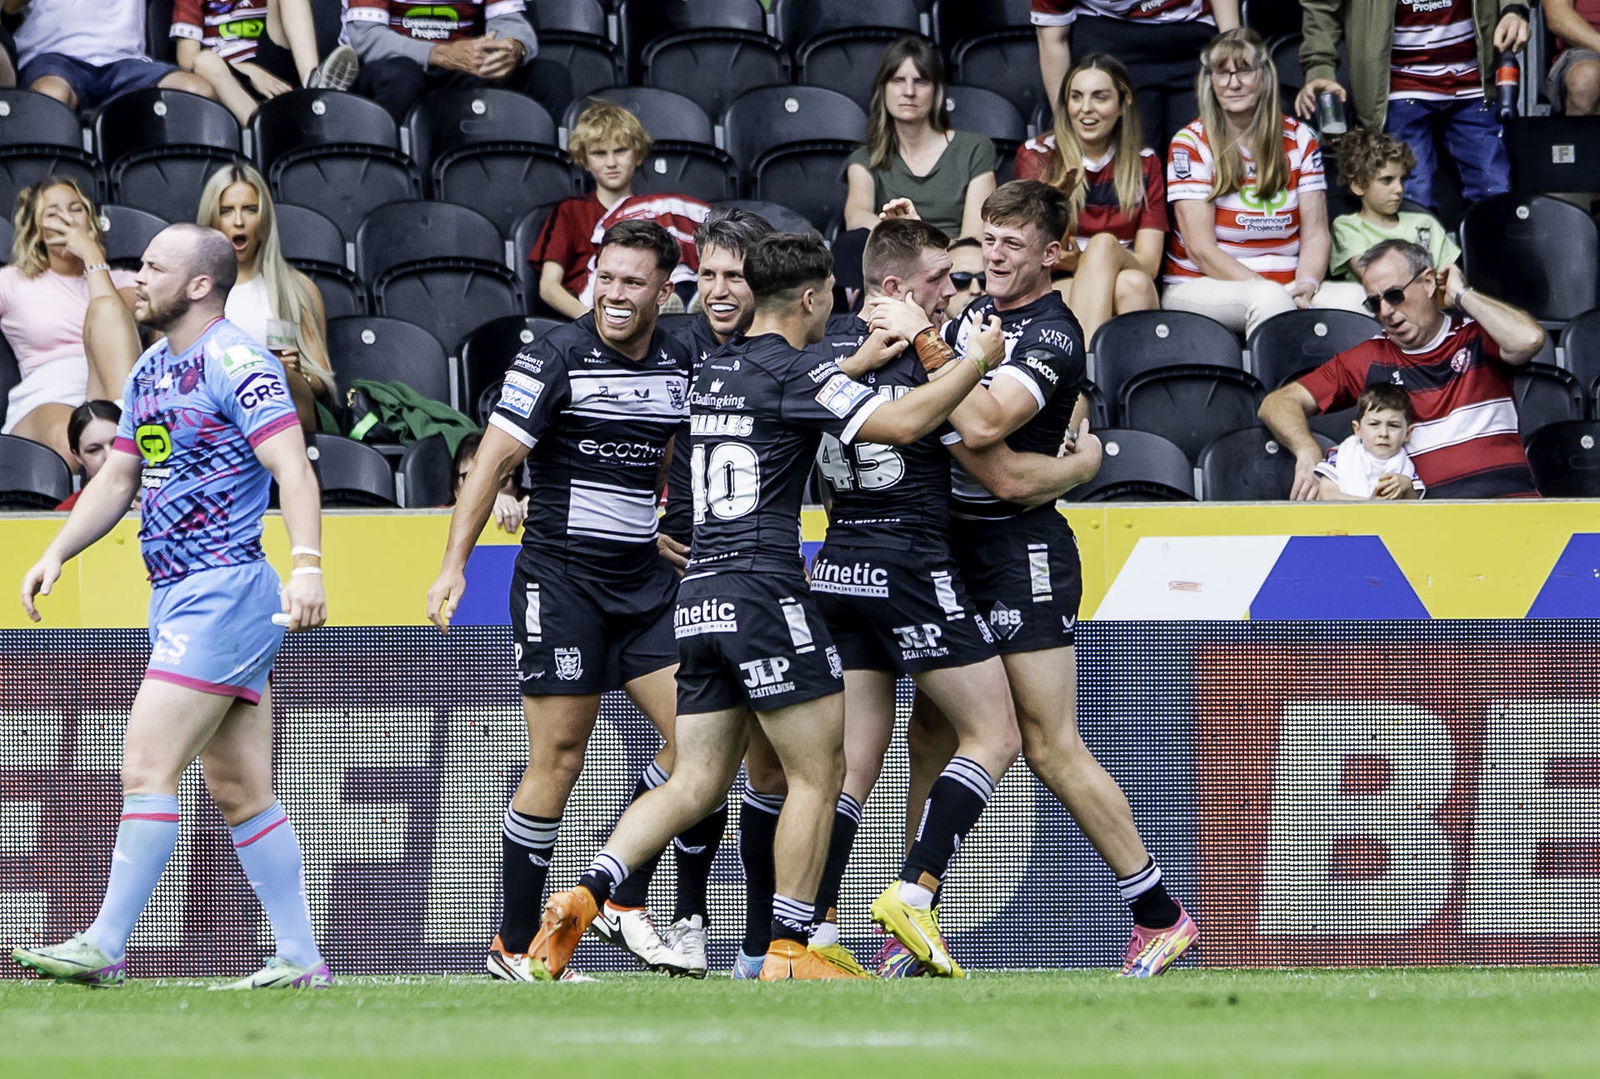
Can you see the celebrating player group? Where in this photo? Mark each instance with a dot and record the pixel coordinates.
(943, 445)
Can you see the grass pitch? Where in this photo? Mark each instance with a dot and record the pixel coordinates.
(1500, 1022)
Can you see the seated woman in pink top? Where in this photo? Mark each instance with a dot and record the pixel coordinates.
(67, 351)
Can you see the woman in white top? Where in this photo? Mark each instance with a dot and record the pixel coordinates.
(237, 203)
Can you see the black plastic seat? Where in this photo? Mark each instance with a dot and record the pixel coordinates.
(839, 43)
(974, 108)
(160, 146)
(647, 28)
(40, 137)
(1141, 341)
(1138, 466)
(437, 264)
(128, 231)
(350, 473)
(1288, 345)
(7, 235)
(523, 235)
(10, 375)
(493, 150)
(388, 350)
(742, 60)
(335, 151)
(573, 33)
(486, 352)
(1580, 345)
(1566, 459)
(1546, 394)
(314, 245)
(1539, 253)
(1248, 465)
(684, 156)
(792, 143)
(992, 43)
(426, 474)
(1190, 404)
(32, 476)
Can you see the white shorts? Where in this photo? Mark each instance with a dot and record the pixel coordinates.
(61, 381)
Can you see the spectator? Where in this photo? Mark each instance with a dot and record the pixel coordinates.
(1114, 187)
(1574, 83)
(1456, 367)
(58, 270)
(237, 203)
(1375, 167)
(250, 50)
(610, 144)
(510, 507)
(90, 431)
(1420, 70)
(406, 49)
(966, 274)
(1159, 44)
(1372, 464)
(85, 55)
(1251, 238)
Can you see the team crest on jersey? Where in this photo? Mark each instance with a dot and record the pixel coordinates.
(841, 393)
(239, 358)
(1181, 166)
(677, 394)
(569, 664)
(835, 664)
(1461, 360)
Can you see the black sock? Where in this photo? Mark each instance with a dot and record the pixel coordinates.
(846, 819)
(694, 849)
(526, 843)
(792, 919)
(635, 891)
(1147, 900)
(758, 824)
(603, 874)
(954, 806)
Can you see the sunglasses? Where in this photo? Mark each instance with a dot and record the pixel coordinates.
(963, 281)
(1394, 297)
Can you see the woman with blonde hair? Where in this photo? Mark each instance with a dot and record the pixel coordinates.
(1248, 194)
(64, 311)
(272, 301)
(1115, 192)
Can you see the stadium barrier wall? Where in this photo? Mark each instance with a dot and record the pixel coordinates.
(1350, 736)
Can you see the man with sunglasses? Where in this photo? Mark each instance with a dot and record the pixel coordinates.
(966, 274)
(1456, 364)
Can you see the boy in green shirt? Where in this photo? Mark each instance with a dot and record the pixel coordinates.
(1375, 166)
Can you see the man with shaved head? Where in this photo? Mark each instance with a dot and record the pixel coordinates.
(206, 417)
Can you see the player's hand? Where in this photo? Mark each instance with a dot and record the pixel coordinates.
(990, 340)
(674, 552)
(899, 208)
(1390, 485)
(1511, 33)
(1080, 443)
(903, 317)
(38, 581)
(509, 512)
(265, 82)
(879, 348)
(445, 596)
(302, 599)
(1307, 487)
(1305, 102)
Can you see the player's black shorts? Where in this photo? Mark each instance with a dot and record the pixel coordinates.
(897, 611)
(751, 639)
(576, 635)
(1023, 574)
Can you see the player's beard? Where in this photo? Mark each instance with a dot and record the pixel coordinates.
(163, 316)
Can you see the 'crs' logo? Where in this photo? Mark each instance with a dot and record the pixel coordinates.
(154, 442)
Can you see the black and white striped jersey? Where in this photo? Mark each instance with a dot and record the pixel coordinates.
(597, 425)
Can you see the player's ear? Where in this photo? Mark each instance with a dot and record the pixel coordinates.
(1052, 253)
(664, 291)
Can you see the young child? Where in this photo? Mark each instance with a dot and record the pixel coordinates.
(610, 144)
(1375, 167)
(1372, 463)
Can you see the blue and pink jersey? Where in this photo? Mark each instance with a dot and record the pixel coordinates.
(195, 419)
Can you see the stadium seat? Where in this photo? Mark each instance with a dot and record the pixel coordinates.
(335, 151)
(1142, 341)
(1580, 349)
(1552, 153)
(40, 137)
(1189, 404)
(128, 232)
(1288, 345)
(973, 108)
(437, 264)
(991, 43)
(1566, 459)
(350, 473)
(523, 233)
(486, 352)
(684, 156)
(1546, 394)
(32, 476)
(1248, 465)
(10, 375)
(388, 350)
(1272, 18)
(647, 28)
(1099, 407)
(1539, 253)
(839, 43)
(742, 60)
(160, 146)
(779, 217)
(573, 33)
(313, 245)
(1138, 467)
(792, 142)
(7, 235)
(426, 475)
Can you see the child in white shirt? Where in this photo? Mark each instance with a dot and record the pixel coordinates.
(1372, 463)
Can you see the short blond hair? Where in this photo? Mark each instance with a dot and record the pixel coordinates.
(602, 123)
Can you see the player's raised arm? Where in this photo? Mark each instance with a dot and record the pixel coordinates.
(498, 456)
(101, 506)
(906, 419)
(302, 596)
(1033, 479)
